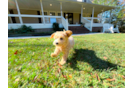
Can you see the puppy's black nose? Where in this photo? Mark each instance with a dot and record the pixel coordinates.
(56, 43)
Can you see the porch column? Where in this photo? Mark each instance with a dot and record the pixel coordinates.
(110, 16)
(42, 12)
(92, 19)
(18, 10)
(82, 11)
(61, 8)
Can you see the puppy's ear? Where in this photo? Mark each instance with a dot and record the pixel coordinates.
(52, 35)
(69, 33)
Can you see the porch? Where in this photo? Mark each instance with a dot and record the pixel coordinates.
(52, 11)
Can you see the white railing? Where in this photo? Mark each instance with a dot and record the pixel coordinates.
(50, 20)
(47, 18)
(25, 15)
(90, 22)
(99, 20)
(65, 23)
(87, 23)
(46, 24)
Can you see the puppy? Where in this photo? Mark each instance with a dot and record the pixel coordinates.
(63, 42)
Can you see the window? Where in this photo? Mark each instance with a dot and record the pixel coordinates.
(52, 13)
(45, 13)
(59, 14)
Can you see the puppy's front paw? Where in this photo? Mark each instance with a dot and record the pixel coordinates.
(62, 62)
(53, 55)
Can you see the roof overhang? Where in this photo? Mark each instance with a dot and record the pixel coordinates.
(67, 6)
(74, 6)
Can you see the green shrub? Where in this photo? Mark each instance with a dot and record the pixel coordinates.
(25, 29)
(21, 30)
(11, 31)
(122, 29)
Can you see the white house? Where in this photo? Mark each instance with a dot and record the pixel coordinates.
(40, 14)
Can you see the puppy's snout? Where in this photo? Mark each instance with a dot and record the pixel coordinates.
(57, 43)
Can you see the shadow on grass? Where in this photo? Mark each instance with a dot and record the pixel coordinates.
(89, 56)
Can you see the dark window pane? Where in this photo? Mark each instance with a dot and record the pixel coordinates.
(45, 13)
(59, 14)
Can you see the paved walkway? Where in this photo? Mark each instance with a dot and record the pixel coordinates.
(25, 37)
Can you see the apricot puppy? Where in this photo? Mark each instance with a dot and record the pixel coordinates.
(63, 42)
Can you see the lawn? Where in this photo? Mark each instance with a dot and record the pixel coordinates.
(97, 61)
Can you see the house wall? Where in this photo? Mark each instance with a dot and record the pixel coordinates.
(15, 11)
(95, 20)
(27, 19)
(36, 19)
(95, 15)
(17, 19)
(30, 12)
(30, 20)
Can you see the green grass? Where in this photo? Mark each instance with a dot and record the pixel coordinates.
(96, 61)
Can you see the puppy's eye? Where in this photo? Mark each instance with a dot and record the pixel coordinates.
(61, 38)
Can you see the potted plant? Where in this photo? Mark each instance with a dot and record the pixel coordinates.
(56, 27)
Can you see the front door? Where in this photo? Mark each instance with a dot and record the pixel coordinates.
(69, 16)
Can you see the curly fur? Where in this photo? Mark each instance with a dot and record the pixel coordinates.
(63, 42)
